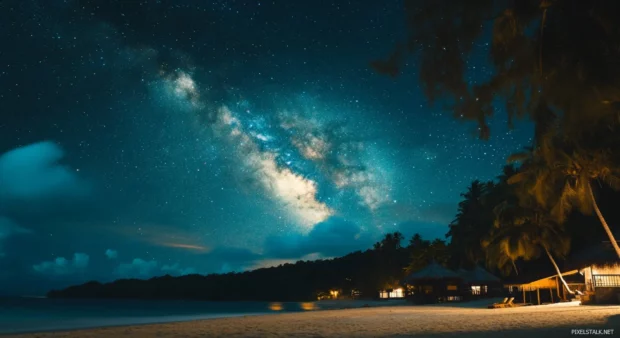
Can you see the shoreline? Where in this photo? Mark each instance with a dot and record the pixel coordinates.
(94, 322)
(437, 321)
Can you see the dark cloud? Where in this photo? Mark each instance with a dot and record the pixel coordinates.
(330, 238)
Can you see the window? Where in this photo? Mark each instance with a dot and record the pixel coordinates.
(453, 298)
(612, 281)
(397, 293)
(452, 288)
(478, 289)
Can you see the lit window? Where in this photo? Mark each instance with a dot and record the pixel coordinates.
(396, 293)
(452, 288)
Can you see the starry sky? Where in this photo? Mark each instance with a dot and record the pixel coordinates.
(142, 138)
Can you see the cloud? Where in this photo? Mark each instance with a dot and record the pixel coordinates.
(175, 270)
(63, 266)
(334, 237)
(33, 172)
(32, 178)
(111, 254)
(140, 268)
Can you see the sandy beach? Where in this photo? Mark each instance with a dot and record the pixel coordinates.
(464, 320)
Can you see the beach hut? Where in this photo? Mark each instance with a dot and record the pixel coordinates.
(478, 282)
(600, 267)
(435, 283)
(547, 289)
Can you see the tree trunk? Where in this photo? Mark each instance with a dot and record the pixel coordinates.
(514, 266)
(612, 239)
(558, 270)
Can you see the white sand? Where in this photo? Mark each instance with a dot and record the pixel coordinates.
(464, 320)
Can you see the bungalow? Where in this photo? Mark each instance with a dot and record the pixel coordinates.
(478, 282)
(546, 290)
(601, 268)
(594, 272)
(435, 283)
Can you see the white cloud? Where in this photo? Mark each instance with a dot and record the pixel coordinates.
(63, 266)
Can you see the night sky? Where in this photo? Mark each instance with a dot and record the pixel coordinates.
(180, 137)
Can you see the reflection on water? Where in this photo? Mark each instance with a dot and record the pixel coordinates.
(275, 306)
(308, 306)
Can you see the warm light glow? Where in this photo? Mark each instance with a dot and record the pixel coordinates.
(606, 270)
(334, 293)
(396, 293)
(275, 306)
(308, 306)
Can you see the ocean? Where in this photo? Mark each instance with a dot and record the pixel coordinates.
(23, 315)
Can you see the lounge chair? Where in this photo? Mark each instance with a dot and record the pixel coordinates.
(506, 303)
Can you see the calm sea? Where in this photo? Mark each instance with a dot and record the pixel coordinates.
(40, 314)
(19, 315)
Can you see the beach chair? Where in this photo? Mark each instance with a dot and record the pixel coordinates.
(500, 304)
(508, 303)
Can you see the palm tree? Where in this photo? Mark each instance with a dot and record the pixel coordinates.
(559, 175)
(428, 251)
(520, 233)
(471, 223)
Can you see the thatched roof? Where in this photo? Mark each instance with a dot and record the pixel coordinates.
(478, 275)
(433, 271)
(602, 254)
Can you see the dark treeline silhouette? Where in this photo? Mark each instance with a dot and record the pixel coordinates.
(472, 239)
(382, 267)
(366, 272)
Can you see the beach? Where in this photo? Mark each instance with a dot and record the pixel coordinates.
(463, 320)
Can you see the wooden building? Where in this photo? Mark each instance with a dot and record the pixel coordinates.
(600, 267)
(434, 283)
(478, 282)
(546, 290)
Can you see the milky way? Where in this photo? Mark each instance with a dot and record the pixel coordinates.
(217, 136)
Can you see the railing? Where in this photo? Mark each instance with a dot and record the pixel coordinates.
(610, 281)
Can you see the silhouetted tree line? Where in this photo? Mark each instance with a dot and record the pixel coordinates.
(367, 272)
